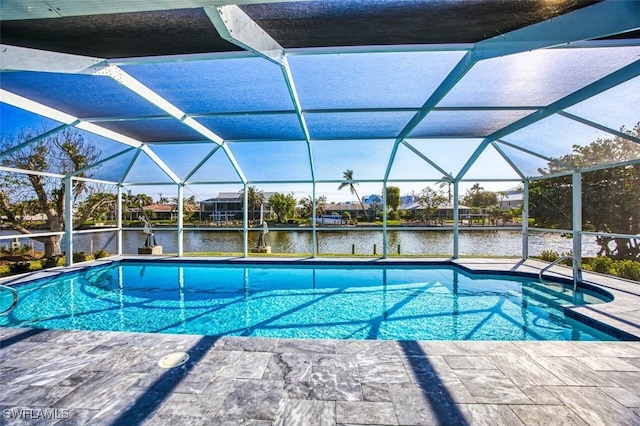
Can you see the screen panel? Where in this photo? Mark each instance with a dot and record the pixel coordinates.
(370, 80)
(367, 159)
(466, 123)
(536, 78)
(218, 85)
(357, 124)
(80, 95)
(273, 161)
(255, 126)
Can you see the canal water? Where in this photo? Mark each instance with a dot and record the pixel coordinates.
(343, 242)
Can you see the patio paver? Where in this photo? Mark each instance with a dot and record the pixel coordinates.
(282, 381)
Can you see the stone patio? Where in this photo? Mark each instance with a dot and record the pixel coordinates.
(105, 378)
(94, 377)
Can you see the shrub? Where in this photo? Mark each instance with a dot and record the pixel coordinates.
(603, 265)
(628, 269)
(99, 254)
(52, 262)
(393, 215)
(19, 267)
(81, 256)
(549, 255)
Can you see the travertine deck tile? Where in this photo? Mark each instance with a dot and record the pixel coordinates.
(594, 406)
(366, 413)
(523, 371)
(547, 415)
(492, 387)
(252, 399)
(289, 367)
(623, 396)
(329, 384)
(416, 406)
(607, 363)
(488, 415)
(306, 412)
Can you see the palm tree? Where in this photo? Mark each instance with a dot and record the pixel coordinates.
(502, 195)
(446, 181)
(162, 199)
(475, 189)
(348, 181)
(255, 199)
(306, 206)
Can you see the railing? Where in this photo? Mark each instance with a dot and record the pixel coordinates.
(15, 299)
(555, 262)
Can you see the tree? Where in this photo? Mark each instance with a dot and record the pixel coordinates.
(283, 206)
(346, 217)
(348, 181)
(430, 200)
(501, 195)
(162, 199)
(190, 201)
(610, 197)
(446, 181)
(98, 205)
(138, 200)
(476, 196)
(63, 153)
(393, 197)
(306, 206)
(476, 188)
(133, 203)
(255, 200)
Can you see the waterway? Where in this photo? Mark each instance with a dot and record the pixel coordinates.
(344, 242)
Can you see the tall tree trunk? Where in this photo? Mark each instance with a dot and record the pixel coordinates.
(52, 246)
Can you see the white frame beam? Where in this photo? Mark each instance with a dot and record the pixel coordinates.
(604, 19)
(576, 216)
(25, 59)
(68, 219)
(525, 219)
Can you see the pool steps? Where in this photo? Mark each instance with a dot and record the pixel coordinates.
(576, 267)
(14, 293)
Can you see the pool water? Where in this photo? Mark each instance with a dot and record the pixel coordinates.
(334, 302)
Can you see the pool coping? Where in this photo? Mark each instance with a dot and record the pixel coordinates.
(619, 318)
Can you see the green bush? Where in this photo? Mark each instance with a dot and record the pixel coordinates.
(603, 265)
(628, 269)
(99, 254)
(19, 267)
(81, 256)
(549, 255)
(393, 215)
(52, 262)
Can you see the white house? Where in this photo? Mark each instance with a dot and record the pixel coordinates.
(512, 198)
(229, 206)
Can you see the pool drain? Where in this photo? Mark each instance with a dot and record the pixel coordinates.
(174, 359)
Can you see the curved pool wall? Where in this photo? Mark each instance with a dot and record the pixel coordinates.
(460, 269)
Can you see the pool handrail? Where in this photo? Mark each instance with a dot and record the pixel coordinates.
(555, 262)
(16, 297)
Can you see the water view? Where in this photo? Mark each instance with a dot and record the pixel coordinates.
(411, 242)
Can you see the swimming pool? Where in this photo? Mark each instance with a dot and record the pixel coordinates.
(302, 301)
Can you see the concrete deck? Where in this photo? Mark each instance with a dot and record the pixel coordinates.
(101, 378)
(93, 377)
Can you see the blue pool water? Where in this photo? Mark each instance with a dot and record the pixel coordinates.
(336, 302)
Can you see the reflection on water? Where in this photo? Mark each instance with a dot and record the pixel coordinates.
(494, 243)
(287, 301)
